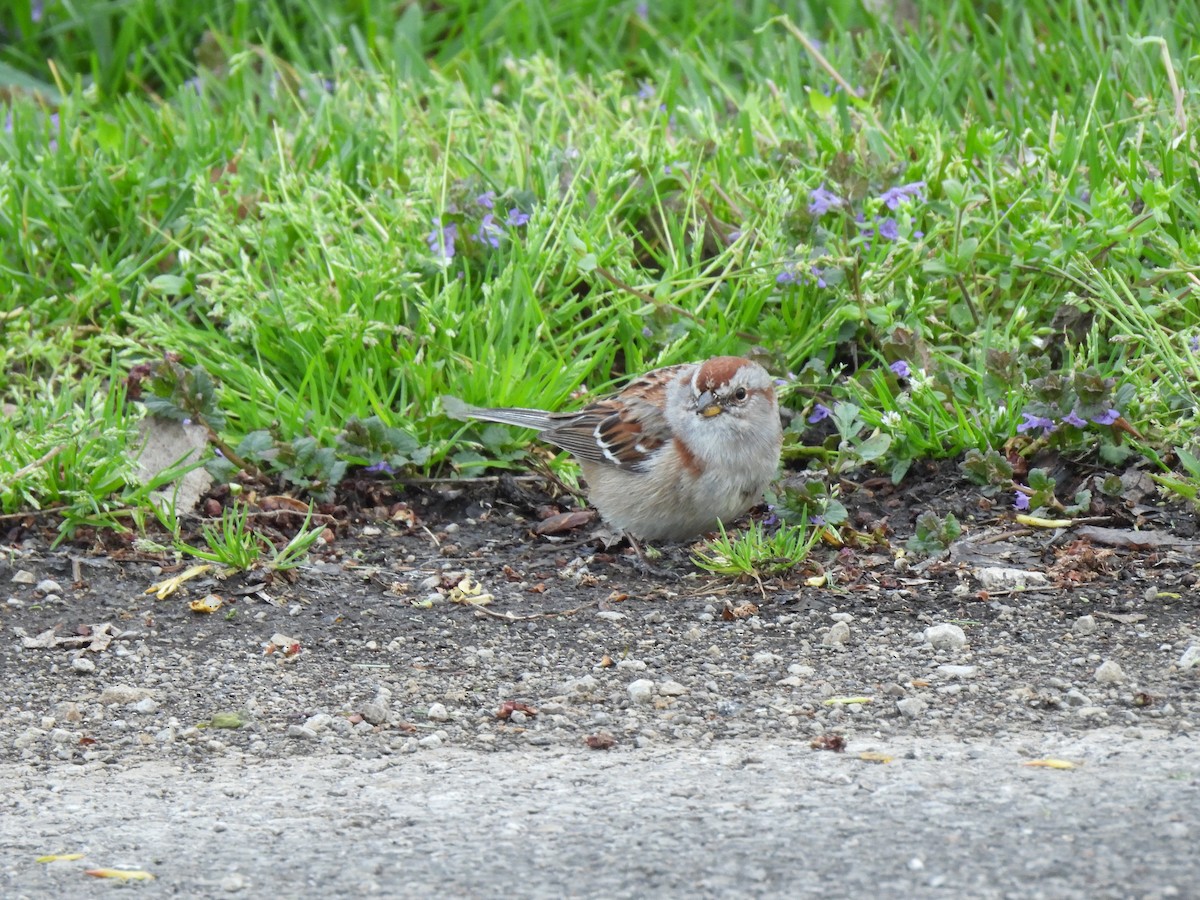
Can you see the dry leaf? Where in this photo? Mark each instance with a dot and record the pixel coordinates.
(745, 611)
(508, 707)
(1039, 522)
(281, 642)
(832, 742)
(278, 501)
(123, 874)
(602, 740)
(872, 756)
(1050, 763)
(209, 604)
(1135, 540)
(44, 641)
(470, 592)
(846, 701)
(567, 521)
(165, 588)
(59, 857)
(1123, 618)
(91, 637)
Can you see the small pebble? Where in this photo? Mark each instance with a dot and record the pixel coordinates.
(958, 671)
(83, 665)
(837, 636)
(232, 884)
(641, 691)
(1190, 658)
(318, 721)
(375, 712)
(1084, 625)
(911, 707)
(299, 731)
(48, 586)
(438, 713)
(146, 705)
(431, 741)
(123, 694)
(946, 637)
(1109, 672)
(672, 689)
(23, 577)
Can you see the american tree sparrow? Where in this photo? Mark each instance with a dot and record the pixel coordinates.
(674, 452)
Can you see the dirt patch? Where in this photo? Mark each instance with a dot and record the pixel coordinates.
(367, 644)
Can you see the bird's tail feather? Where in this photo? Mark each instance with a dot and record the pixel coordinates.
(537, 419)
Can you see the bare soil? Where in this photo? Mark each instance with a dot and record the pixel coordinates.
(377, 649)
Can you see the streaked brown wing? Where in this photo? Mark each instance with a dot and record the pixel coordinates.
(623, 430)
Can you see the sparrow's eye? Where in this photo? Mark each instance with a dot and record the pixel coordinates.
(739, 395)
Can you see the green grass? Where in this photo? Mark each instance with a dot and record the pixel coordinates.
(250, 189)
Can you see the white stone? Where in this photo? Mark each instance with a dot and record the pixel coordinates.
(999, 578)
(958, 671)
(946, 637)
(911, 707)
(438, 713)
(1190, 658)
(1084, 625)
(671, 688)
(837, 636)
(1109, 672)
(83, 665)
(641, 691)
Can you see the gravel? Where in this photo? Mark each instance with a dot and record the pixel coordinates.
(658, 734)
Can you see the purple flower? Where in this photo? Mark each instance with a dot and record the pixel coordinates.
(516, 218)
(820, 411)
(441, 239)
(1021, 502)
(1107, 417)
(1073, 418)
(487, 199)
(817, 521)
(822, 201)
(889, 230)
(646, 91)
(918, 234)
(771, 519)
(1194, 343)
(819, 274)
(647, 331)
(380, 467)
(893, 196)
(1032, 421)
(489, 232)
(901, 369)
(787, 276)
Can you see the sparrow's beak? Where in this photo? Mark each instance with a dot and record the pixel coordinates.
(708, 406)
